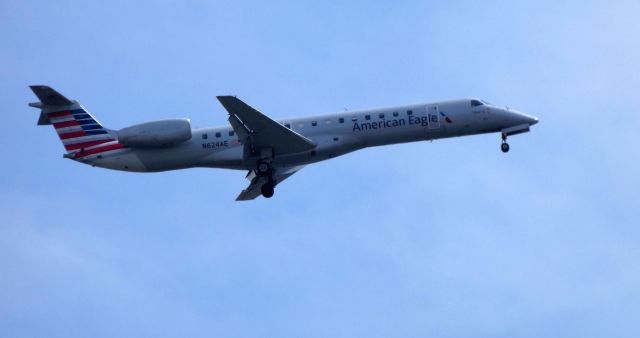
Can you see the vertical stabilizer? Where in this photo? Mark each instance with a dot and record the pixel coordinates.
(80, 133)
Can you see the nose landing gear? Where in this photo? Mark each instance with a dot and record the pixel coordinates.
(504, 146)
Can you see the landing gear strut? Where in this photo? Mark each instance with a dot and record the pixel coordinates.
(504, 146)
(263, 168)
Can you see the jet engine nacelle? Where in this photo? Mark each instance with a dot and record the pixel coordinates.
(156, 134)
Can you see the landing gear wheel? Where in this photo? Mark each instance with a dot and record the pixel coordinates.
(263, 168)
(267, 190)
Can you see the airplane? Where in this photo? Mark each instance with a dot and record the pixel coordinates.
(270, 150)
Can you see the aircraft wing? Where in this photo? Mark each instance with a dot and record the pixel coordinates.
(253, 190)
(260, 131)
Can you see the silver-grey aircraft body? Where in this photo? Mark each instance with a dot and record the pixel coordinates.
(269, 150)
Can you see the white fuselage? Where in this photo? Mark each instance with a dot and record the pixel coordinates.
(333, 134)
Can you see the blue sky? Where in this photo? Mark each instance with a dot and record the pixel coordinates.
(443, 239)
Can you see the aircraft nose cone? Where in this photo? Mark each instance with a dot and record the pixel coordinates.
(526, 118)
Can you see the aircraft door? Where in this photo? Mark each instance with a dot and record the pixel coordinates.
(433, 117)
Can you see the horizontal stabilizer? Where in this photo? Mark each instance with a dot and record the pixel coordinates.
(49, 97)
(50, 101)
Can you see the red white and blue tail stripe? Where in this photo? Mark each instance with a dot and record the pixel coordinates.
(81, 134)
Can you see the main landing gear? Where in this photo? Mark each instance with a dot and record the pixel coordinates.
(267, 189)
(264, 169)
(504, 146)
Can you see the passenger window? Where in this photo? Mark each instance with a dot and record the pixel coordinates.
(475, 103)
(205, 136)
(354, 119)
(395, 114)
(367, 117)
(409, 112)
(341, 120)
(381, 115)
(314, 123)
(218, 135)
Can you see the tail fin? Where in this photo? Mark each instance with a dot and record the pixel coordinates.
(77, 129)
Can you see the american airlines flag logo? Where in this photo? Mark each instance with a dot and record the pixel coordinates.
(446, 118)
(81, 134)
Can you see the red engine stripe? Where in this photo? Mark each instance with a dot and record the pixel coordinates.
(100, 150)
(86, 144)
(65, 124)
(72, 135)
(59, 114)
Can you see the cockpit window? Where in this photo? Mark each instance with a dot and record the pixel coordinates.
(475, 103)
